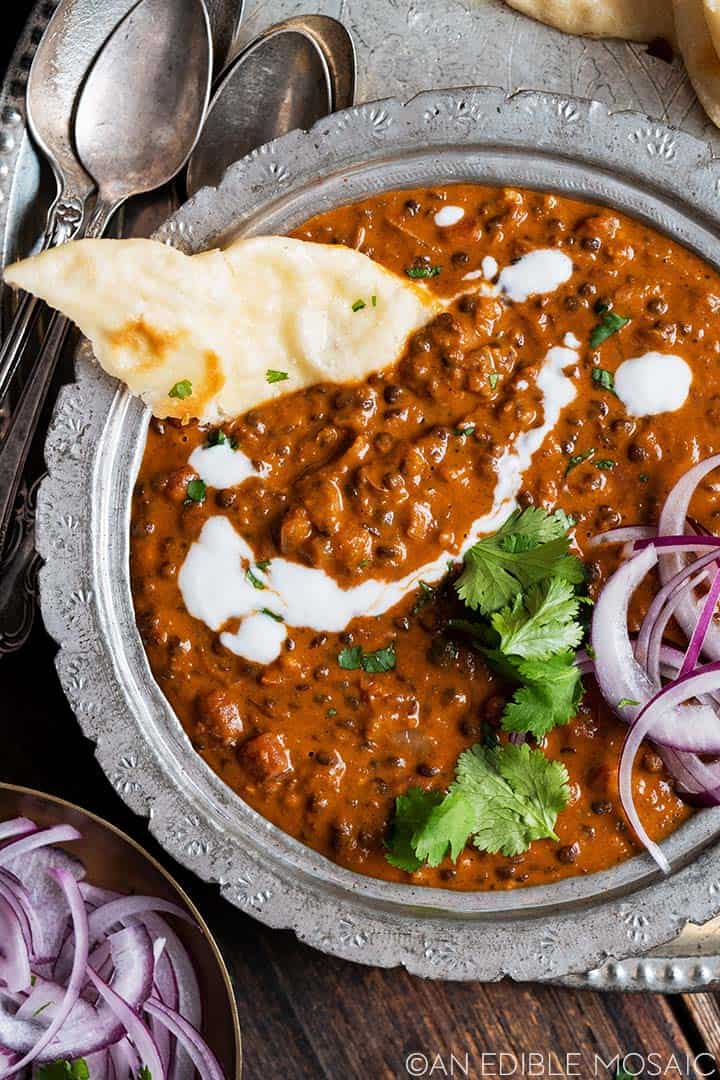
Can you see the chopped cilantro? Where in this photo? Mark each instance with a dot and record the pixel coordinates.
(254, 579)
(530, 546)
(144, 1073)
(627, 702)
(181, 389)
(66, 1070)
(503, 798)
(468, 430)
(606, 464)
(352, 658)
(42, 1008)
(276, 376)
(195, 491)
(604, 379)
(425, 595)
(330, 713)
(263, 564)
(373, 300)
(644, 477)
(422, 271)
(359, 305)
(217, 437)
(493, 379)
(271, 614)
(577, 459)
(609, 324)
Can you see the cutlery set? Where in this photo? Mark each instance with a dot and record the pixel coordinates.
(119, 101)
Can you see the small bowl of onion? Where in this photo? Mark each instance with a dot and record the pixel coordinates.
(107, 970)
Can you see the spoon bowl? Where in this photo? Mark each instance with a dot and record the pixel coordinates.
(144, 101)
(289, 77)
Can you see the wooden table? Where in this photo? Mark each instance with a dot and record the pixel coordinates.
(306, 1015)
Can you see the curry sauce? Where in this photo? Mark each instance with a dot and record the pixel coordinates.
(375, 479)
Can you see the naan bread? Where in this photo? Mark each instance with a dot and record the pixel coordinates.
(701, 59)
(712, 18)
(633, 20)
(221, 320)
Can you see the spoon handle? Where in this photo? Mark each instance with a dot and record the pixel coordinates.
(23, 424)
(64, 223)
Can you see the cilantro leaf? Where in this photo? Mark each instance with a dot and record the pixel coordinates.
(577, 459)
(604, 379)
(276, 376)
(609, 324)
(352, 658)
(530, 546)
(548, 696)
(504, 798)
(358, 305)
(411, 813)
(144, 1073)
(254, 580)
(65, 1070)
(422, 271)
(195, 491)
(181, 390)
(541, 622)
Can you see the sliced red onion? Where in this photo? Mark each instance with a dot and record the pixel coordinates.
(117, 912)
(46, 899)
(125, 1061)
(15, 970)
(703, 680)
(137, 1032)
(10, 895)
(59, 834)
(78, 915)
(663, 596)
(202, 1056)
(627, 534)
(621, 678)
(703, 625)
(680, 544)
(20, 826)
(672, 521)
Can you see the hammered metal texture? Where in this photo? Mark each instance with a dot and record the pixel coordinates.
(93, 449)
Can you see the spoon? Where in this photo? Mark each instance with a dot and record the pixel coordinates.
(137, 121)
(288, 77)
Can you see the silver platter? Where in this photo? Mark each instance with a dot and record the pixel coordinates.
(93, 452)
(96, 438)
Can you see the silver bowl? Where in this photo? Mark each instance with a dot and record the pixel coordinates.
(94, 448)
(114, 861)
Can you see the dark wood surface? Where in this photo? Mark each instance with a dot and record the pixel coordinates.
(309, 1016)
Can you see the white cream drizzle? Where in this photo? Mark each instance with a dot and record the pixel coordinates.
(540, 271)
(222, 467)
(449, 215)
(653, 383)
(215, 587)
(489, 267)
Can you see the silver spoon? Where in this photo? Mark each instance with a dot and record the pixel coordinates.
(137, 121)
(288, 77)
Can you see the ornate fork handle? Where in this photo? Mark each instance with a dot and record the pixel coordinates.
(64, 222)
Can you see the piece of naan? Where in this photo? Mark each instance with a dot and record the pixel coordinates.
(632, 20)
(210, 336)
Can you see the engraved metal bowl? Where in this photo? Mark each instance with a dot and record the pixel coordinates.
(659, 175)
(115, 861)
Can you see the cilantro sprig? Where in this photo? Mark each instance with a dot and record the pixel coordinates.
(503, 798)
(524, 581)
(530, 546)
